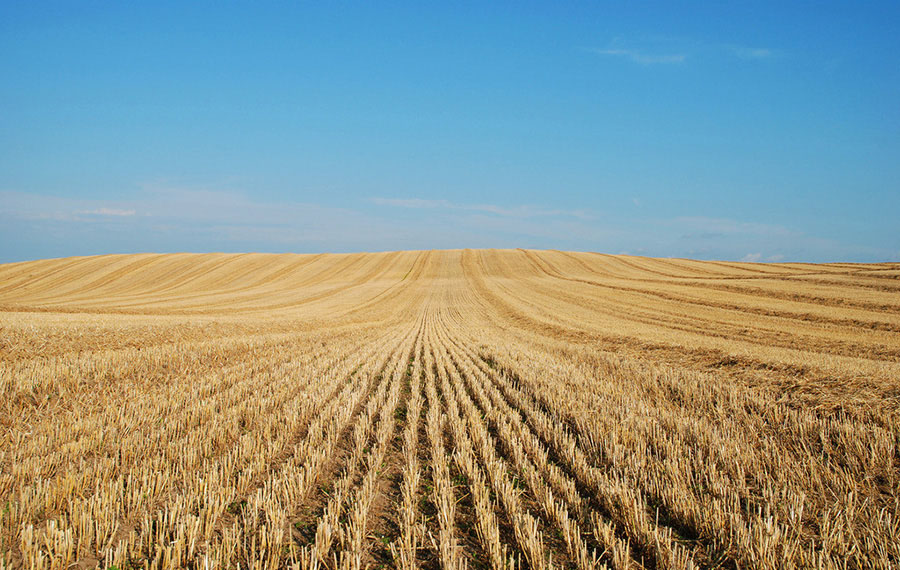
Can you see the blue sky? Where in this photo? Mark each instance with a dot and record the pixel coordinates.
(758, 131)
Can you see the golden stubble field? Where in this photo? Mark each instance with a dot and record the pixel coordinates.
(481, 409)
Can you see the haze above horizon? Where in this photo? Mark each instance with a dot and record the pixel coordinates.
(761, 132)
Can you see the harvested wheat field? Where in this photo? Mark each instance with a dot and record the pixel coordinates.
(481, 409)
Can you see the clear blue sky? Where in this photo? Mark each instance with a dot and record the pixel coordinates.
(754, 131)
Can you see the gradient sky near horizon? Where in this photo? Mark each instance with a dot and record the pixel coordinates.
(759, 131)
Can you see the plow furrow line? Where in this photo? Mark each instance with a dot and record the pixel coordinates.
(525, 525)
(341, 539)
(579, 485)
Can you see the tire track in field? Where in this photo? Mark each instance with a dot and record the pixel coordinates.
(230, 470)
(576, 507)
(578, 479)
(371, 274)
(248, 478)
(680, 298)
(744, 367)
(181, 432)
(837, 300)
(56, 266)
(336, 452)
(541, 549)
(724, 329)
(408, 281)
(323, 543)
(496, 534)
(559, 515)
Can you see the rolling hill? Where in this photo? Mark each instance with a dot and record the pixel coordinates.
(453, 409)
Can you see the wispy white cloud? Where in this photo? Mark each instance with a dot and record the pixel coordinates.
(706, 227)
(759, 257)
(744, 52)
(413, 203)
(27, 206)
(643, 58)
(727, 238)
(669, 50)
(521, 211)
(170, 218)
(108, 212)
